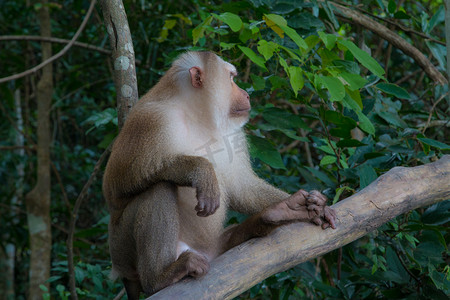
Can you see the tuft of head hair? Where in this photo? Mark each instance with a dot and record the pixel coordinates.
(184, 62)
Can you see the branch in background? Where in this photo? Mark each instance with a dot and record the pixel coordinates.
(398, 191)
(394, 39)
(73, 219)
(61, 41)
(124, 71)
(431, 112)
(59, 54)
(53, 40)
(403, 28)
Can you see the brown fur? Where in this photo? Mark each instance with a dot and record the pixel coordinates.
(175, 169)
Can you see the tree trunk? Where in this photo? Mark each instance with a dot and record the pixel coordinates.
(447, 36)
(125, 81)
(38, 199)
(398, 191)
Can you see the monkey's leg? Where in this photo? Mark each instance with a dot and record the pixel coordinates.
(299, 207)
(156, 233)
(133, 288)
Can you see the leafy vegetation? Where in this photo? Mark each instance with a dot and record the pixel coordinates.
(333, 107)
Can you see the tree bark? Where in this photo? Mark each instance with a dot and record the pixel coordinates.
(125, 81)
(447, 35)
(398, 191)
(38, 199)
(394, 39)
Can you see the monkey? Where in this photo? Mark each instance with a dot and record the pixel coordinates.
(178, 164)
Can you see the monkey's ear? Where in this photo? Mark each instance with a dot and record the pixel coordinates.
(196, 77)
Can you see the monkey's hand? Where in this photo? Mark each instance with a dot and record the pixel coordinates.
(208, 197)
(326, 216)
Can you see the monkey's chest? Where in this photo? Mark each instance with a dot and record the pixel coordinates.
(223, 151)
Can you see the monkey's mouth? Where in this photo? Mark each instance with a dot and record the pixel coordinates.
(240, 112)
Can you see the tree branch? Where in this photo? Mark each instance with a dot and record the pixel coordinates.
(398, 191)
(73, 219)
(53, 40)
(61, 41)
(401, 27)
(392, 38)
(59, 54)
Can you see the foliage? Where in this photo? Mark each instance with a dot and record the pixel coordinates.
(327, 114)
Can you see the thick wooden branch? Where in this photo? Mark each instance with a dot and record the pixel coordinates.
(394, 39)
(398, 191)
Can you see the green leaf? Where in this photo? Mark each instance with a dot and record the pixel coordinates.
(365, 124)
(339, 191)
(364, 58)
(227, 46)
(328, 39)
(392, 119)
(327, 160)
(293, 135)
(327, 149)
(276, 19)
(392, 7)
(298, 40)
(258, 82)
(393, 89)
(347, 66)
(339, 119)
(438, 17)
(354, 81)
(367, 175)
(168, 24)
(341, 132)
(435, 144)
(402, 15)
(311, 41)
(283, 119)
(284, 64)
(349, 143)
(278, 82)
(282, 24)
(232, 20)
(335, 87)
(439, 52)
(328, 7)
(199, 31)
(355, 96)
(262, 149)
(296, 79)
(267, 48)
(253, 57)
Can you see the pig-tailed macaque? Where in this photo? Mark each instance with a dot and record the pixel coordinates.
(179, 162)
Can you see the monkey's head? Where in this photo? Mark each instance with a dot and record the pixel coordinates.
(210, 79)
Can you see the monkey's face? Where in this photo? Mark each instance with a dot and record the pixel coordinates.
(240, 102)
(238, 99)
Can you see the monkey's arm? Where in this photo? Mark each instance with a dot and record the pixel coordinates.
(182, 170)
(196, 172)
(252, 194)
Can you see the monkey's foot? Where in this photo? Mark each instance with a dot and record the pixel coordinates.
(301, 207)
(326, 216)
(196, 264)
